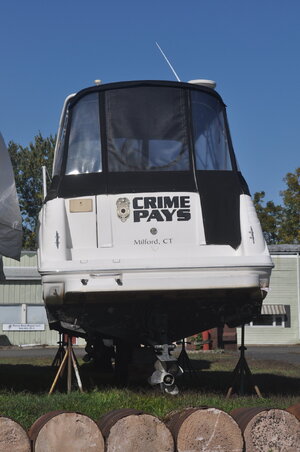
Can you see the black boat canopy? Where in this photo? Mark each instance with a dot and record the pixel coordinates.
(142, 127)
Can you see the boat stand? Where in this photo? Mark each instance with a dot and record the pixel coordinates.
(185, 363)
(242, 377)
(60, 351)
(69, 360)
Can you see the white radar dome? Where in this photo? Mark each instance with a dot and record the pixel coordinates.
(203, 82)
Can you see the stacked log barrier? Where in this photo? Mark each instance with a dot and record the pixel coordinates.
(128, 430)
(295, 410)
(205, 429)
(267, 430)
(65, 431)
(12, 436)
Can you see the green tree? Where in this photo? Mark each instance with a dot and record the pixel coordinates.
(280, 223)
(269, 215)
(289, 230)
(27, 163)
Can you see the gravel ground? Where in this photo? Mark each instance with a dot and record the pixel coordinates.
(36, 352)
(288, 353)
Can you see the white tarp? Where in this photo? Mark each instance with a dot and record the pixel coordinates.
(2, 276)
(10, 217)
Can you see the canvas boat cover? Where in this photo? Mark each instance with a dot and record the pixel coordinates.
(10, 216)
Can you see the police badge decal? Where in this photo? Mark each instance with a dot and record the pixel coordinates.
(123, 208)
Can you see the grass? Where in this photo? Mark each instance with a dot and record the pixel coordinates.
(25, 382)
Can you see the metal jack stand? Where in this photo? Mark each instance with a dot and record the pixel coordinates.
(242, 375)
(185, 362)
(69, 359)
(59, 356)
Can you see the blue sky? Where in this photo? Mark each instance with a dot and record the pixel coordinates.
(49, 49)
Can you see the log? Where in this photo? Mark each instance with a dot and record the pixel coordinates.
(295, 410)
(205, 429)
(63, 431)
(128, 430)
(12, 436)
(268, 429)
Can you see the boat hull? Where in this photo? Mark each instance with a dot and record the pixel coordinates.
(153, 307)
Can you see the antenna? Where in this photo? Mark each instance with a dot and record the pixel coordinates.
(44, 181)
(170, 65)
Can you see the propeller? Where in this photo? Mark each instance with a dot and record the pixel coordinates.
(165, 375)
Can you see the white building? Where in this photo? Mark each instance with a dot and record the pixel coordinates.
(279, 322)
(23, 319)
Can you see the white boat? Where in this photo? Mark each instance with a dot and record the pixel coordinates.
(148, 233)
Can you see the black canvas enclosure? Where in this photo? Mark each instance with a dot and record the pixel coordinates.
(153, 136)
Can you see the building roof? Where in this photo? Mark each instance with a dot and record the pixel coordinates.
(284, 249)
(25, 269)
(21, 273)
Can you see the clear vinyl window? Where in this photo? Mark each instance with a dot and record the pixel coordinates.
(147, 129)
(84, 147)
(60, 144)
(210, 136)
